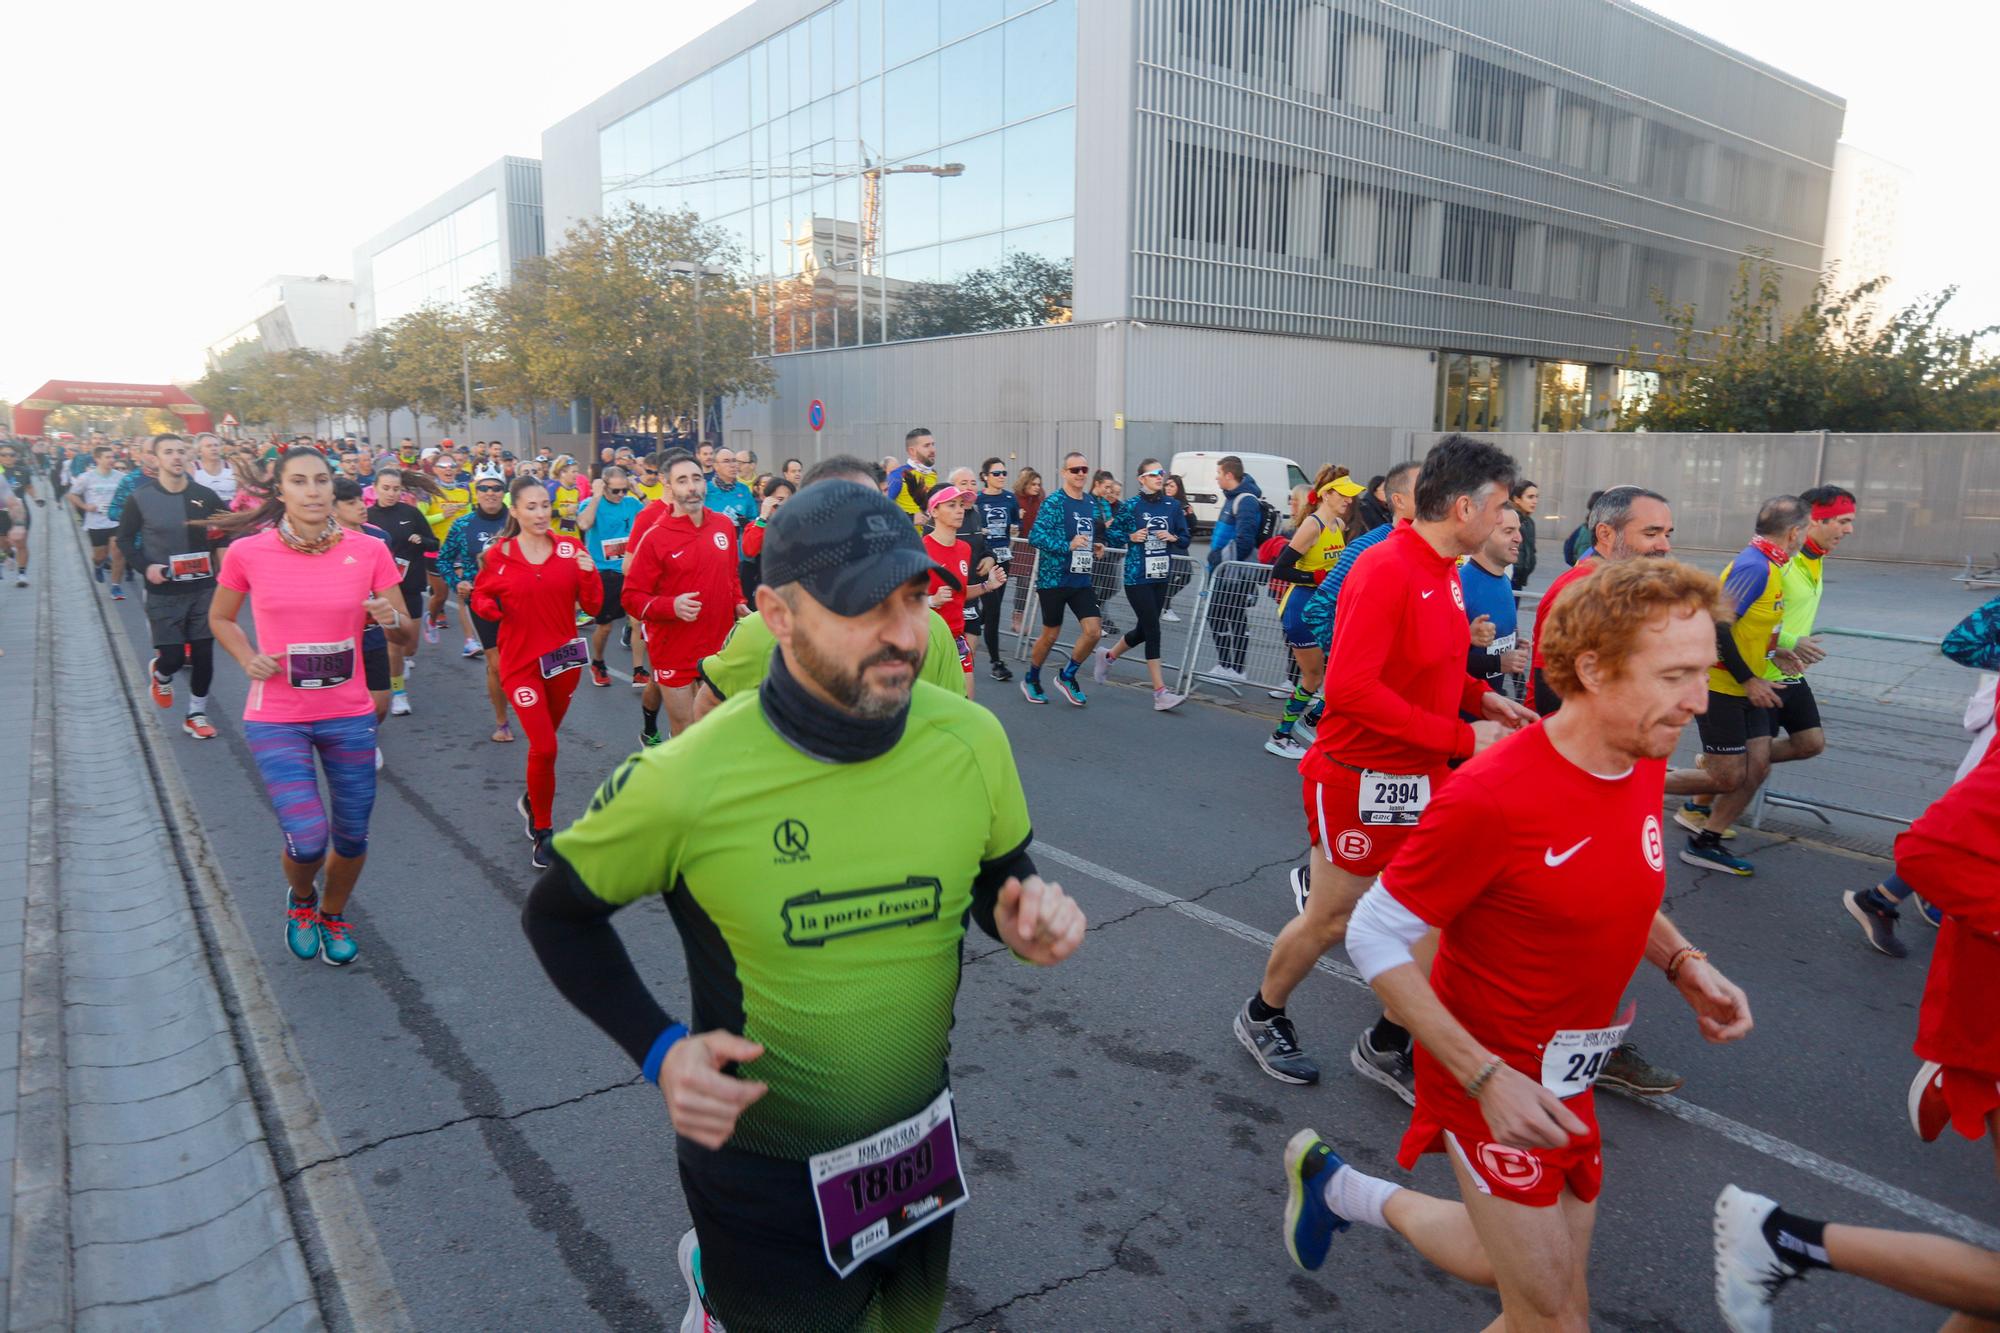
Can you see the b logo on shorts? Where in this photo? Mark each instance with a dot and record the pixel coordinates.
(526, 697)
(1656, 852)
(1509, 1166)
(1353, 845)
(721, 541)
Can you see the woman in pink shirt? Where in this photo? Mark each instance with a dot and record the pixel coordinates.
(314, 588)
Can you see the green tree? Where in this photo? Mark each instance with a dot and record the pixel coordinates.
(427, 354)
(514, 354)
(1023, 291)
(1833, 365)
(370, 365)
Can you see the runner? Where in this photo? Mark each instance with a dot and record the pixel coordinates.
(165, 534)
(444, 503)
(22, 482)
(1540, 938)
(997, 512)
(750, 564)
(1527, 499)
(458, 564)
(313, 587)
(1489, 599)
(911, 480)
(92, 496)
(1314, 546)
(413, 545)
(681, 585)
(1952, 854)
(531, 583)
(853, 1032)
(1069, 539)
(1624, 523)
(1149, 526)
(212, 469)
(1746, 687)
(727, 495)
(1392, 727)
(571, 489)
(143, 468)
(954, 556)
(606, 521)
(351, 512)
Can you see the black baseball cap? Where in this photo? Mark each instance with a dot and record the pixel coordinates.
(847, 545)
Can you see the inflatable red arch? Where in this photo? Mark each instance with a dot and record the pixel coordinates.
(30, 413)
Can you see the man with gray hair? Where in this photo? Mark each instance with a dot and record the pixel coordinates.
(1625, 522)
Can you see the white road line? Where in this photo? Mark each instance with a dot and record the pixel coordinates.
(1934, 1215)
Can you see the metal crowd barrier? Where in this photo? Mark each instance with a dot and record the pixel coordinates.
(1238, 642)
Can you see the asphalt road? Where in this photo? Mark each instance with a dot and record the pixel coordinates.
(1124, 1151)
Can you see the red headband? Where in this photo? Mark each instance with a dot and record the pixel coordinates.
(1834, 508)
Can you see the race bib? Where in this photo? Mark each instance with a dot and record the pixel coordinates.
(1080, 561)
(193, 565)
(1393, 798)
(319, 666)
(1156, 566)
(878, 1190)
(1503, 644)
(1574, 1057)
(614, 548)
(566, 658)
(402, 565)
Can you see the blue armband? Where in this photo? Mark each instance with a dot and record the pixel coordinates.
(658, 1054)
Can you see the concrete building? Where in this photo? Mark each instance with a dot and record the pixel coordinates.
(1299, 226)
(1864, 223)
(472, 233)
(292, 311)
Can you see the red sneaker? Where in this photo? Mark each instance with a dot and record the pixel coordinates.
(163, 693)
(1928, 1112)
(599, 676)
(196, 725)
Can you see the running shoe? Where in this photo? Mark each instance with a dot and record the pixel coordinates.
(1394, 1070)
(527, 819)
(1933, 916)
(1626, 1070)
(302, 926)
(1274, 1045)
(1278, 694)
(1694, 818)
(1928, 1112)
(1066, 682)
(1100, 665)
(1000, 671)
(599, 676)
(1305, 732)
(1878, 923)
(1032, 688)
(649, 739)
(1285, 747)
(1309, 1223)
(163, 690)
(697, 1319)
(1313, 714)
(431, 627)
(544, 854)
(196, 725)
(1300, 878)
(1230, 674)
(1748, 1272)
(625, 635)
(471, 649)
(1704, 851)
(117, 593)
(640, 678)
(378, 759)
(21, 579)
(99, 569)
(1165, 701)
(399, 703)
(1170, 616)
(336, 944)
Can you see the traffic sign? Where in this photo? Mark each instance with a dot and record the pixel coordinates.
(229, 421)
(816, 414)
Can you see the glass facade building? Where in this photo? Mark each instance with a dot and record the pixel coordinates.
(887, 169)
(441, 263)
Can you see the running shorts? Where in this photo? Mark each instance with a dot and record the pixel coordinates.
(487, 630)
(1082, 602)
(178, 615)
(1797, 710)
(763, 1266)
(375, 661)
(675, 654)
(964, 646)
(99, 537)
(1292, 618)
(1333, 824)
(613, 610)
(7, 523)
(1532, 1176)
(1731, 723)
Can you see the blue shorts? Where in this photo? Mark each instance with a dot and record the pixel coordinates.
(1292, 617)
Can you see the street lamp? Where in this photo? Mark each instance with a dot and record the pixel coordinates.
(687, 268)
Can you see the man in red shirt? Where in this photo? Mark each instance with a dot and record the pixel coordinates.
(1395, 686)
(682, 586)
(1541, 934)
(1626, 522)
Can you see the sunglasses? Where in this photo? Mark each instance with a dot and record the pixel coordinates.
(489, 490)
(1076, 469)
(618, 493)
(1154, 473)
(998, 472)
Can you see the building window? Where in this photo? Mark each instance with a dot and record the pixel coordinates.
(1583, 133)
(1228, 199)
(1636, 389)
(1469, 391)
(439, 264)
(1478, 246)
(1489, 103)
(1562, 395)
(1575, 265)
(1666, 161)
(1253, 37)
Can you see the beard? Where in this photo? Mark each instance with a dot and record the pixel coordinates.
(850, 688)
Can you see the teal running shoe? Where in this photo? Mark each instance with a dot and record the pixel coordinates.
(302, 926)
(336, 943)
(1309, 1223)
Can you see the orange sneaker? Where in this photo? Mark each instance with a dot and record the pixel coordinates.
(163, 691)
(196, 725)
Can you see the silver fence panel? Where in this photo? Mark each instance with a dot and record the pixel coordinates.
(1107, 581)
(1237, 628)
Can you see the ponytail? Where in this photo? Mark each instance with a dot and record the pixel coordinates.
(267, 490)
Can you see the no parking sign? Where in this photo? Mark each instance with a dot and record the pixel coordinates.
(816, 414)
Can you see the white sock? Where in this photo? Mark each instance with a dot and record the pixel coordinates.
(197, 703)
(1358, 1197)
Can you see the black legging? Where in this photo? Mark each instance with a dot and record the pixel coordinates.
(174, 656)
(990, 606)
(1147, 599)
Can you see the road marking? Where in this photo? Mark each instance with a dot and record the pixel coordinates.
(1770, 1145)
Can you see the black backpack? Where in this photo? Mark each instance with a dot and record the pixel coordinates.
(1267, 520)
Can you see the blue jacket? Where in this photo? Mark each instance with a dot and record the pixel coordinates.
(1975, 640)
(1235, 535)
(1060, 520)
(465, 542)
(1319, 612)
(1137, 518)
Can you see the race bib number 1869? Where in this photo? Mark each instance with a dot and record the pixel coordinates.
(875, 1191)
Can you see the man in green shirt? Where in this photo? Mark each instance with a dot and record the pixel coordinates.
(1829, 522)
(817, 1147)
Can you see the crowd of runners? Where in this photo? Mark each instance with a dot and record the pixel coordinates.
(803, 642)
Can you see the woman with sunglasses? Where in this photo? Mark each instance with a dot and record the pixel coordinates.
(997, 513)
(315, 587)
(458, 562)
(606, 520)
(1150, 526)
(1315, 544)
(531, 582)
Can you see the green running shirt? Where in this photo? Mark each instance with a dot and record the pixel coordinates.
(821, 906)
(745, 659)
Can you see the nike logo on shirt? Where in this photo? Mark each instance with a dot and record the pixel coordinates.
(1428, 592)
(1550, 858)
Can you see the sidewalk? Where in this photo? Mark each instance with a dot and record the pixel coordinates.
(144, 1193)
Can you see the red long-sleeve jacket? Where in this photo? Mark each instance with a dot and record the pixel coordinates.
(535, 604)
(675, 556)
(1952, 857)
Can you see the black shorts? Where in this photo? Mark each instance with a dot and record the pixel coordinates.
(762, 1262)
(1731, 723)
(1080, 601)
(613, 582)
(178, 615)
(375, 661)
(487, 630)
(99, 537)
(1797, 710)
(7, 523)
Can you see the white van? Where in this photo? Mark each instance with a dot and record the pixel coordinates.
(1275, 477)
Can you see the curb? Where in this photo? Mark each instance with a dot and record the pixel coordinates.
(353, 1278)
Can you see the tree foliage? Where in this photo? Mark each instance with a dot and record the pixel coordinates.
(1023, 291)
(1835, 364)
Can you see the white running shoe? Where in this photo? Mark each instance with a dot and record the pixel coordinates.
(399, 704)
(1100, 665)
(1171, 616)
(1165, 701)
(21, 579)
(1278, 694)
(1285, 748)
(697, 1319)
(471, 649)
(1301, 887)
(1230, 674)
(378, 759)
(1748, 1272)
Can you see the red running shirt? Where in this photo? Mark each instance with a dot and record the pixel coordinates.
(1563, 580)
(676, 555)
(1952, 857)
(957, 558)
(534, 604)
(1395, 677)
(1544, 880)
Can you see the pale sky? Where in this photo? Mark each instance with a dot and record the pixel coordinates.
(159, 178)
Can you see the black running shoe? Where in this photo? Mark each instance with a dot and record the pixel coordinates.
(544, 854)
(1878, 924)
(1394, 1070)
(1000, 671)
(1627, 1070)
(527, 818)
(1274, 1045)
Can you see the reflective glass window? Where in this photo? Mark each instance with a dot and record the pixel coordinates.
(611, 154)
(911, 107)
(1041, 60)
(870, 27)
(845, 49)
(910, 266)
(970, 203)
(1040, 169)
(697, 115)
(1053, 241)
(822, 119)
(778, 69)
(821, 27)
(970, 72)
(661, 143)
(909, 28)
(959, 17)
(909, 210)
(961, 259)
(871, 120)
(733, 155)
(729, 98)
(800, 45)
(760, 84)
(845, 151)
